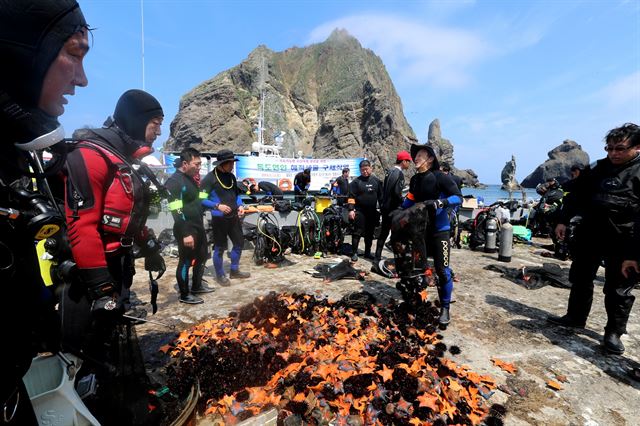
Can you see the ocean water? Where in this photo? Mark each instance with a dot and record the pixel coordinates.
(493, 193)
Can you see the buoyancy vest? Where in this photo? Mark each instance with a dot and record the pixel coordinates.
(612, 195)
(126, 199)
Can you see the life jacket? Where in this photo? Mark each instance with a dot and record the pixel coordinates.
(615, 194)
(126, 199)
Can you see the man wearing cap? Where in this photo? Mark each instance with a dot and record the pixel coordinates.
(365, 193)
(224, 202)
(185, 204)
(42, 46)
(437, 191)
(391, 197)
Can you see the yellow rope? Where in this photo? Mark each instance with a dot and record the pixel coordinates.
(300, 229)
(215, 171)
(269, 236)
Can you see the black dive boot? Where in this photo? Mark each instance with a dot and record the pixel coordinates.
(612, 343)
(378, 255)
(355, 242)
(197, 287)
(239, 275)
(444, 311)
(185, 296)
(444, 316)
(566, 321)
(367, 249)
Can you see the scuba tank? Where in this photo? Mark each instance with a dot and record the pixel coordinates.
(306, 239)
(506, 243)
(268, 247)
(490, 234)
(332, 234)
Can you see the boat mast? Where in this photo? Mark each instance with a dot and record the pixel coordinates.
(261, 119)
(261, 112)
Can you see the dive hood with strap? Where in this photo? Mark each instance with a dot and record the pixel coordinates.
(32, 33)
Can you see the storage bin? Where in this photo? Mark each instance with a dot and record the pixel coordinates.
(53, 395)
(322, 203)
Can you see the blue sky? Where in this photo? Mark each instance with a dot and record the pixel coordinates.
(503, 77)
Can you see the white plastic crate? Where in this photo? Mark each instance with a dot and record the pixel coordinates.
(52, 393)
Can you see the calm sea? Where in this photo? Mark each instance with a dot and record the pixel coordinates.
(493, 193)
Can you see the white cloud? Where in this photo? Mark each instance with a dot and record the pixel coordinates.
(489, 122)
(437, 55)
(622, 92)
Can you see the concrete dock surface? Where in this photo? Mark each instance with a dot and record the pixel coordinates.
(492, 317)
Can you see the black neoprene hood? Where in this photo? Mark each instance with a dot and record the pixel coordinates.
(134, 110)
(32, 32)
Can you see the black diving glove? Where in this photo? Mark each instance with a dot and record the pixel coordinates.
(155, 263)
(107, 308)
(105, 303)
(147, 245)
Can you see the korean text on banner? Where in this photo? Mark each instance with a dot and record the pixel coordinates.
(281, 171)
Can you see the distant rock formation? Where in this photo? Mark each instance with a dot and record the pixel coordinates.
(444, 150)
(508, 176)
(558, 166)
(333, 99)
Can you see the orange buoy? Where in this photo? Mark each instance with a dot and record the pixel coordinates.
(285, 184)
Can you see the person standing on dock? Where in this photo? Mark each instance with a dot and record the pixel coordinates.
(439, 192)
(607, 197)
(223, 199)
(365, 193)
(185, 204)
(340, 187)
(42, 44)
(391, 197)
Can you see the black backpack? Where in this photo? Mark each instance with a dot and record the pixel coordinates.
(283, 206)
(332, 232)
(268, 241)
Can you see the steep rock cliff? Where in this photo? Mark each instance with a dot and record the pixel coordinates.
(332, 99)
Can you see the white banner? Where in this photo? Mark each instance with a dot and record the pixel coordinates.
(282, 171)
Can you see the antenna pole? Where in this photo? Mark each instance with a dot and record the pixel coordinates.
(261, 111)
(142, 25)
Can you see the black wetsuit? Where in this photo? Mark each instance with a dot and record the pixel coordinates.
(222, 188)
(186, 207)
(301, 184)
(341, 189)
(429, 186)
(364, 195)
(27, 312)
(391, 200)
(457, 180)
(271, 189)
(607, 198)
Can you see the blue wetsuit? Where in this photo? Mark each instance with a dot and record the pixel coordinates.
(222, 188)
(439, 188)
